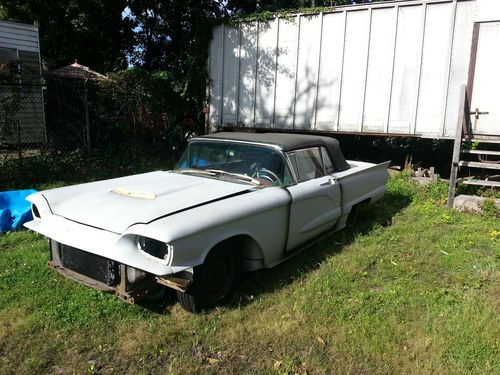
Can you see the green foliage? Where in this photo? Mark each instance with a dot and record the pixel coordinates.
(284, 7)
(402, 185)
(436, 192)
(91, 31)
(280, 13)
(147, 94)
(52, 170)
(171, 43)
(489, 208)
(10, 101)
(151, 108)
(478, 190)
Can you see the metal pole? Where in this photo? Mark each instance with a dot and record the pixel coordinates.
(456, 148)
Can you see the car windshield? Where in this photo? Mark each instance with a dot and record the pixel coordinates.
(258, 165)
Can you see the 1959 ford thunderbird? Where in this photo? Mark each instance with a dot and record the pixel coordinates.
(235, 202)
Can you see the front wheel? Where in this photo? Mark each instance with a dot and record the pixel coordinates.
(213, 281)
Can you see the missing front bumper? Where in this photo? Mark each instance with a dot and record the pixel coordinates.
(100, 273)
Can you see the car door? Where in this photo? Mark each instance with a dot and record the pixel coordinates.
(315, 206)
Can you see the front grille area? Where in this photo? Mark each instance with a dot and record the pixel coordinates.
(90, 265)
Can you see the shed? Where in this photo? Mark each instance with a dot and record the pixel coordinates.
(68, 103)
(21, 100)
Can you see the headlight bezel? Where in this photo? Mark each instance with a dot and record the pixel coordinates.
(157, 249)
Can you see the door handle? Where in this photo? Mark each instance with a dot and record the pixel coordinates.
(330, 181)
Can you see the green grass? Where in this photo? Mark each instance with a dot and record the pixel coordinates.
(414, 288)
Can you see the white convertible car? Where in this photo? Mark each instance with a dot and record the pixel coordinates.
(235, 202)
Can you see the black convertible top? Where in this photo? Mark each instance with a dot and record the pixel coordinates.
(286, 142)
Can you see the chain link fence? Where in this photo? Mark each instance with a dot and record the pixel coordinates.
(22, 125)
(67, 126)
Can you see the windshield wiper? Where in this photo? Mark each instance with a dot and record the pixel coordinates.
(220, 172)
(238, 176)
(196, 171)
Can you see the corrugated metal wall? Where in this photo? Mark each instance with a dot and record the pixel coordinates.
(23, 41)
(390, 68)
(19, 36)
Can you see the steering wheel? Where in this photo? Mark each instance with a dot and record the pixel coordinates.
(266, 174)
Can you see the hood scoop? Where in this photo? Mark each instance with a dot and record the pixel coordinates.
(134, 194)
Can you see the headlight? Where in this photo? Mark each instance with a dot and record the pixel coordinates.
(153, 247)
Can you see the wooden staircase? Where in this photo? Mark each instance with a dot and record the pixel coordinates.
(486, 147)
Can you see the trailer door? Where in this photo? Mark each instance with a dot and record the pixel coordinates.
(485, 81)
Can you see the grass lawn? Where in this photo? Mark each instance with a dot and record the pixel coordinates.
(414, 288)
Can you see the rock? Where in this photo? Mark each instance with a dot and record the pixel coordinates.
(471, 203)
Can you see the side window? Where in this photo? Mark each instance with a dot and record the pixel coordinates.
(308, 164)
(327, 161)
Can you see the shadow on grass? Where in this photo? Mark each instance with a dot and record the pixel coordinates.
(265, 281)
(161, 302)
(269, 280)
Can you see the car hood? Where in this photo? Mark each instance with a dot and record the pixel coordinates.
(117, 204)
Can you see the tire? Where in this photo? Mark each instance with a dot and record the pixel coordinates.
(213, 281)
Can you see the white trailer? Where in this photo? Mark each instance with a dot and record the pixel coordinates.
(388, 68)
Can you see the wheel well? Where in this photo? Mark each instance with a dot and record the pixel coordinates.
(249, 250)
(363, 202)
(353, 214)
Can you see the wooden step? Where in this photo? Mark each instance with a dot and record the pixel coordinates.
(482, 140)
(477, 164)
(476, 182)
(481, 152)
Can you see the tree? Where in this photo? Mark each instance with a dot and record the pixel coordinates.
(173, 37)
(252, 6)
(91, 31)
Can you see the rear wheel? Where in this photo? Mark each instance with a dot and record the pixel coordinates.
(213, 281)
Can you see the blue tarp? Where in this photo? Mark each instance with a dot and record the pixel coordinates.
(15, 210)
